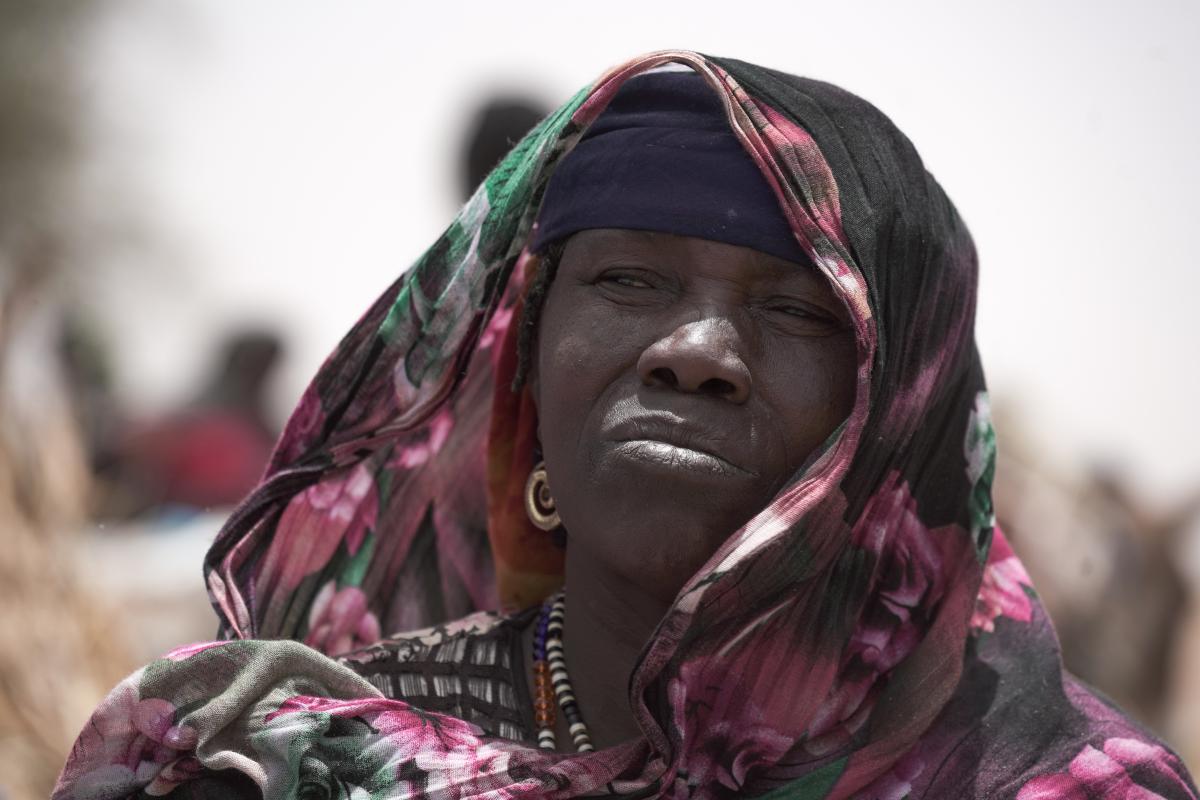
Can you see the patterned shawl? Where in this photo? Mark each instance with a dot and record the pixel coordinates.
(868, 634)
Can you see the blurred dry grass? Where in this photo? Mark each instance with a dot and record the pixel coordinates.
(59, 649)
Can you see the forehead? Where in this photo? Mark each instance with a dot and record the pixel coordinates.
(687, 254)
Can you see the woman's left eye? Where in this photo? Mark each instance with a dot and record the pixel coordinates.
(801, 317)
(796, 311)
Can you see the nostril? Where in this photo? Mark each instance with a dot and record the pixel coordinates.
(665, 376)
(718, 387)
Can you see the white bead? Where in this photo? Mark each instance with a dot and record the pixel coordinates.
(561, 681)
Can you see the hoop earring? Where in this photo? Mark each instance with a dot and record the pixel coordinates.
(539, 503)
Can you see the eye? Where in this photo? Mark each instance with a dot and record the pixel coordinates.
(633, 287)
(624, 280)
(799, 311)
(794, 317)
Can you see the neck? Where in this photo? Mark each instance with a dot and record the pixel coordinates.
(608, 622)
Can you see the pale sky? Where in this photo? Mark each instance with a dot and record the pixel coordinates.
(287, 159)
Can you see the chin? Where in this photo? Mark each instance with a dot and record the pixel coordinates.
(655, 528)
(661, 573)
(651, 544)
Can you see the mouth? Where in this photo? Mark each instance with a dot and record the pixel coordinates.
(672, 443)
(676, 458)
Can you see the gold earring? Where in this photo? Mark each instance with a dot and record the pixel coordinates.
(539, 504)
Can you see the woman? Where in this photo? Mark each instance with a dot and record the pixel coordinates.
(727, 386)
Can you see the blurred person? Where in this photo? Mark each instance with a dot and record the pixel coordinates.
(210, 452)
(498, 124)
(86, 359)
(1124, 642)
(1110, 568)
(701, 347)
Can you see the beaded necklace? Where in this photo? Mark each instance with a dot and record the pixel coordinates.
(550, 679)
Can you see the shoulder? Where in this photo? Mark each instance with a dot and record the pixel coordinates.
(1111, 751)
(1049, 742)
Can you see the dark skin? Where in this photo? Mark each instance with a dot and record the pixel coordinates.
(680, 383)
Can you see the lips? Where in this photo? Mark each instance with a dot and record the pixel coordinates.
(673, 442)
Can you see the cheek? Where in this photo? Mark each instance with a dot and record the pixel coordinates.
(582, 346)
(578, 360)
(811, 392)
(586, 361)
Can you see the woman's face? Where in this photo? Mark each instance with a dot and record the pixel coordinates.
(680, 383)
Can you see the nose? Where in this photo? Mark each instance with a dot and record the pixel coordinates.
(700, 357)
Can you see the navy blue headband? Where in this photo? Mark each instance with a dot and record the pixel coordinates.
(662, 157)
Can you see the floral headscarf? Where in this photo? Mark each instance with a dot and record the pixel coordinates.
(868, 634)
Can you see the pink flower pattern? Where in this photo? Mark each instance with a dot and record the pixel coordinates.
(727, 751)
(184, 652)
(125, 746)
(1002, 593)
(302, 428)
(451, 751)
(908, 581)
(342, 508)
(416, 454)
(340, 621)
(1105, 773)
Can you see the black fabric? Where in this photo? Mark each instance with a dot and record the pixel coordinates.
(895, 216)
(662, 157)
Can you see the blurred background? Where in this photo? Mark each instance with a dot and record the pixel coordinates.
(198, 198)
